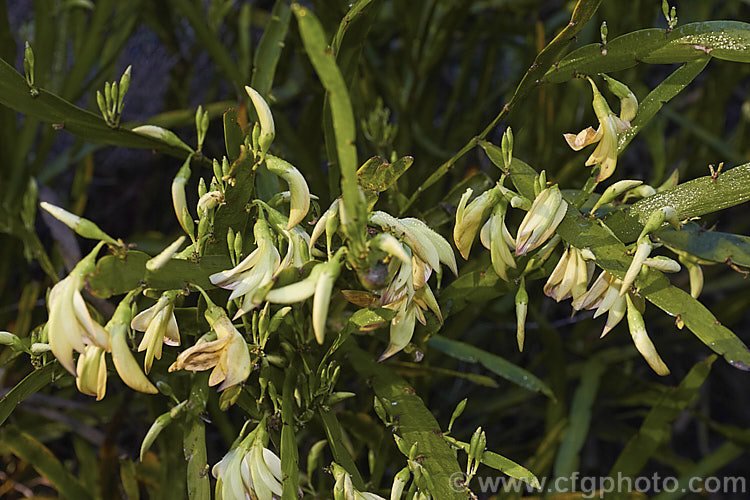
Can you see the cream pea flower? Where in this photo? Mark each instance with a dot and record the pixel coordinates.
(70, 326)
(227, 354)
(254, 273)
(610, 126)
(160, 327)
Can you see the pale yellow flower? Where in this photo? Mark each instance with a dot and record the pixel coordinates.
(496, 238)
(470, 217)
(606, 135)
(227, 355)
(250, 471)
(160, 327)
(254, 273)
(91, 371)
(319, 285)
(70, 326)
(344, 488)
(541, 220)
(570, 277)
(642, 341)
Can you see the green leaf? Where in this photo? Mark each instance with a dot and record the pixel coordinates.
(707, 466)
(14, 93)
(472, 287)
(699, 196)
(233, 135)
(567, 461)
(114, 275)
(289, 451)
(708, 245)
(419, 370)
(44, 461)
(324, 62)
(378, 175)
(416, 424)
(728, 40)
(663, 93)
(269, 48)
(234, 212)
(31, 384)
(128, 479)
(583, 11)
(493, 362)
(355, 10)
(655, 429)
(505, 465)
(340, 454)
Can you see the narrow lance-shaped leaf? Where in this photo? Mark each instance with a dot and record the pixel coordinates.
(567, 460)
(416, 424)
(269, 48)
(44, 461)
(662, 94)
(655, 427)
(493, 362)
(31, 384)
(324, 63)
(728, 40)
(48, 107)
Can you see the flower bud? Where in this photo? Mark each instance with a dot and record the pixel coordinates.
(28, 67)
(82, 227)
(399, 482)
(541, 220)
(663, 264)
(178, 194)
(642, 341)
(496, 238)
(628, 101)
(164, 135)
(124, 86)
(522, 307)
(9, 339)
(613, 191)
(507, 147)
(470, 217)
(38, 348)
(657, 218)
(300, 193)
(209, 201)
(161, 422)
(390, 245)
(156, 263)
(570, 277)
(91, 372)
(267, 128)
(643, 250)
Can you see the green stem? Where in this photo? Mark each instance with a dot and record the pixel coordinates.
(587, 189)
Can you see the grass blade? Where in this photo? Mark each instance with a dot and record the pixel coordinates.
(44, 461)
(493, 362)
